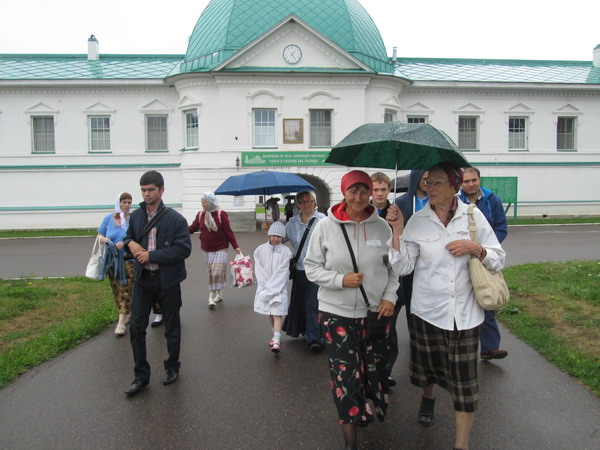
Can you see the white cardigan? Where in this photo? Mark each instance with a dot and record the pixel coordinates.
(442, 292)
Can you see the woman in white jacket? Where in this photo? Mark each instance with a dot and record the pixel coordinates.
(445, 317)
(357, 362)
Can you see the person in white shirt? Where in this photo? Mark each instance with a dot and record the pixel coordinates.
(445, 317)
(272, 260)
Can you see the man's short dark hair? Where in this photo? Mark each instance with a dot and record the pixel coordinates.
(474, 169)
(152, 177)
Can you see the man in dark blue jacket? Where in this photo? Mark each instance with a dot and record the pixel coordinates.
(491, 207)
(159, 240)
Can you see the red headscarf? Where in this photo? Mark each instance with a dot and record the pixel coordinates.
(356, 176)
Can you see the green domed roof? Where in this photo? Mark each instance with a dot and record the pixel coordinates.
(226, 26)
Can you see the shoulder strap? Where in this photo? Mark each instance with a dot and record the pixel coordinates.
(472, 224)
(354, 265)
(304, 236)
(154, 221)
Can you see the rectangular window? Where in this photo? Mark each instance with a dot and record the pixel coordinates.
(467, 133)
(99, 133)
(320, 128)
(517, 133)
(565, 133)
(264, 127)
(156, 133)
(42, 130)
(416, 119)
(389, 115)
(191, 129)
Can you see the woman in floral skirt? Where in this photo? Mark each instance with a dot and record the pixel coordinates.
(357, 362)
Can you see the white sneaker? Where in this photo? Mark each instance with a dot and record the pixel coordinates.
(218, 298)
(120, 330)
(211, 303)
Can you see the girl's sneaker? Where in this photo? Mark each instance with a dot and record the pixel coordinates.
(275, 347)
(271, 342)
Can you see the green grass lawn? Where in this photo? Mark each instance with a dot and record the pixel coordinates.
(555, 308)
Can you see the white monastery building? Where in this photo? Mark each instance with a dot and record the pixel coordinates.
(274, 85)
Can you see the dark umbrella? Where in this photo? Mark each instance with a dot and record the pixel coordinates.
(395, 145)
(263, 182)
(400, 184)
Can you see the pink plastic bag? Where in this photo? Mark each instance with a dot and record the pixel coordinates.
(241, 271)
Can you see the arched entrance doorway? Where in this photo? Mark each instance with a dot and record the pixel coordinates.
(322, 191)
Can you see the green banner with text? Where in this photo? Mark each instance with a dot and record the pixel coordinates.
(266, 159)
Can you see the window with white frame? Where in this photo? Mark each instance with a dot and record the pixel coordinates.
(156, 133)
(389, 115)
(467, 132)
(264, 127)
(99, 130)
(416, 119)
(517, 133)
(565, 133)
(320, 128)
(42, 134)
(191, 129)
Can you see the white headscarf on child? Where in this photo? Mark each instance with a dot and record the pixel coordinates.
(213, 205)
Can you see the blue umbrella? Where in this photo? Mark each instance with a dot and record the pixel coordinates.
(263, 182)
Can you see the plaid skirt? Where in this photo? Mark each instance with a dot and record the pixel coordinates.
(358, 367)
(217, 269)
(446, 358)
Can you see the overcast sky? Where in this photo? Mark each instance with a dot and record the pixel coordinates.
(526, 29)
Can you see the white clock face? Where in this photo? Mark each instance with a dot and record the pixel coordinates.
(292, 54)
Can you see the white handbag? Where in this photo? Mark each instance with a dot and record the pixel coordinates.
(491, 291)
(96, 262)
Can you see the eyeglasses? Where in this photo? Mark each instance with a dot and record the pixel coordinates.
(306, 202)
(436, 183)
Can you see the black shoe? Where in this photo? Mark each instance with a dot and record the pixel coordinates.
(135, 387)
(426, 411)
(365, 420)
(315, 346)
(170, 376)
(156, 323)
(391, 382)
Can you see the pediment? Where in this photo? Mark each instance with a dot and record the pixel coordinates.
(469, 108)
(392, 101)
(187, 101)
(418, 108)
(567, 109)
(155, 106)
(41, 108)
(519, 108)
(317, 52)
(99, 107)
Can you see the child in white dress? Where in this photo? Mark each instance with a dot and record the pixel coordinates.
(271, 261)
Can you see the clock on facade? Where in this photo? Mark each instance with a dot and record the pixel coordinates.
(292, 54)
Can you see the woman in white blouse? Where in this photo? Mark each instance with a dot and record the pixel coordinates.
(445, 317)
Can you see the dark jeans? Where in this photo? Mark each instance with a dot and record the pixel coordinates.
(489, 333)
(404, 293)
(146, 293)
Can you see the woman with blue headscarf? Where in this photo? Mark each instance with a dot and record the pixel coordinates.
(215, 237)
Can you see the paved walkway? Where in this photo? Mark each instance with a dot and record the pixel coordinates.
(234, 394)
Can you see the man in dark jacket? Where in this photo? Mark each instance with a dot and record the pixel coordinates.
(160, 251)
(491, 207)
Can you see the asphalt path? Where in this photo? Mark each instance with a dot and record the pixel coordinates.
(234, 394)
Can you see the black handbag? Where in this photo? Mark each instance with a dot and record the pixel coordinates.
(376, 326)
(294, 260)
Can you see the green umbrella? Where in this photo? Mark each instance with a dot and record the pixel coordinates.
(395, 145)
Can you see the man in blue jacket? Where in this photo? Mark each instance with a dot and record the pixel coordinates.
(159, 240)
(491, 207)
